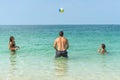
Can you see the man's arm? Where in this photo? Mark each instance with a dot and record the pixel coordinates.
(67, 44)
(55, 45)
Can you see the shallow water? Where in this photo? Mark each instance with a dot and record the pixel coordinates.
(35, 58)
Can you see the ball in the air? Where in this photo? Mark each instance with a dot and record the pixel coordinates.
(61, 10)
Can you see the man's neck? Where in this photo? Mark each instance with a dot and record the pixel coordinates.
(61, 36)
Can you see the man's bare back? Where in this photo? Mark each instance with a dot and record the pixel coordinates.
(61, 44)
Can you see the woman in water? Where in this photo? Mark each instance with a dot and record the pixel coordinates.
(12, 45)
(102, 49)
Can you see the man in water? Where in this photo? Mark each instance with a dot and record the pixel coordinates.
(61, 45)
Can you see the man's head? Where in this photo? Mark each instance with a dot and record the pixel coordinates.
(61, 33)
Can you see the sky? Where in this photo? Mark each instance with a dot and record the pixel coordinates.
(45, 12)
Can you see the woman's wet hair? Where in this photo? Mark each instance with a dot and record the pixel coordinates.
(11, 37)
(103, 46)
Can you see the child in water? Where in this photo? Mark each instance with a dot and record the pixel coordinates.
(102, 49)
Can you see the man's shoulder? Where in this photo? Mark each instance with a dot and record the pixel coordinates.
(65, 38)
(56, 39)
(62, 37)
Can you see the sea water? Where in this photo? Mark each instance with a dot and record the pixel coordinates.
(35, 58)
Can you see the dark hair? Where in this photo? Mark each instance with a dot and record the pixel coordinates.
(61, 33)
(103, 46)
(11, 37)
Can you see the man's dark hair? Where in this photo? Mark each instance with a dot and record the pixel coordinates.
(61, 33)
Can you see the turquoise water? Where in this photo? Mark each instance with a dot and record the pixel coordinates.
(35, 58)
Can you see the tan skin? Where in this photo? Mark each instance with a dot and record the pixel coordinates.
(11, 45)
(61, 44)
(102, 50)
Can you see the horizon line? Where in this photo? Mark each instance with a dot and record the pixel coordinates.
(50, 24)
